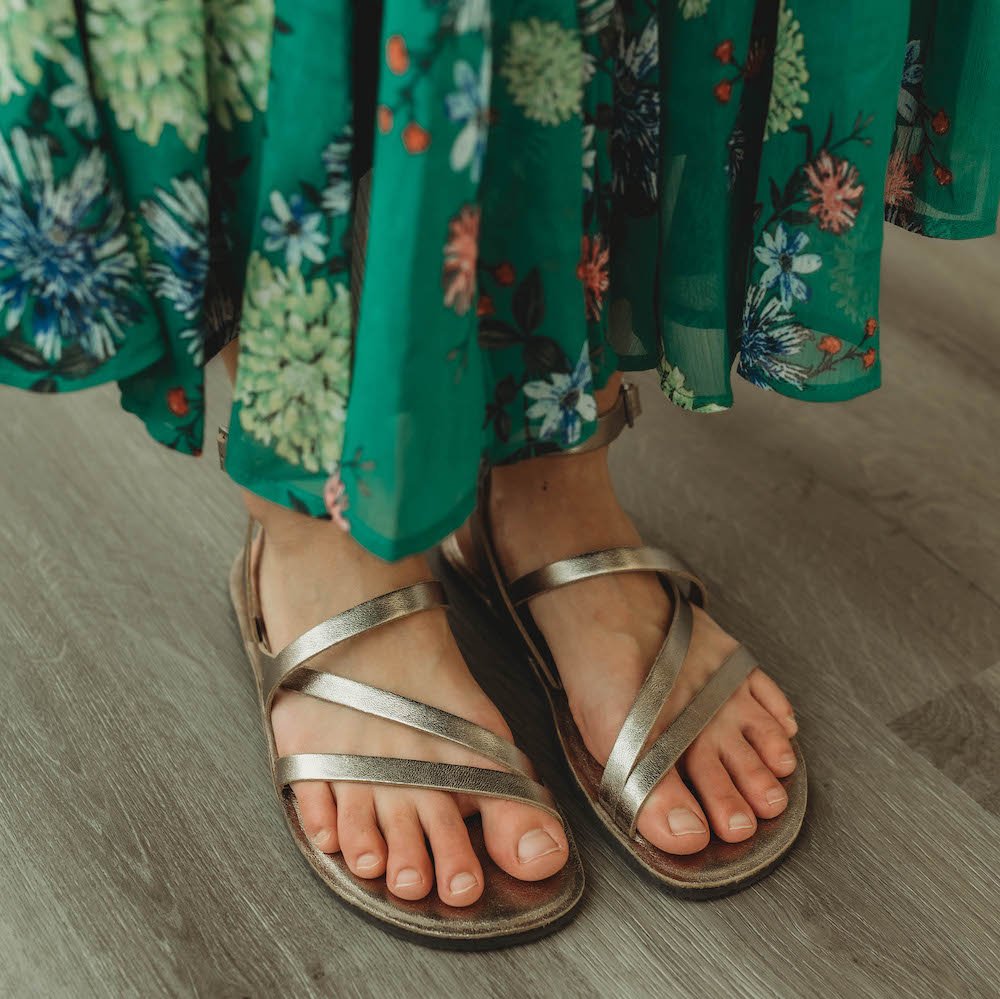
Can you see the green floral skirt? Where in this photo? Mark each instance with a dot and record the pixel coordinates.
(560, 189)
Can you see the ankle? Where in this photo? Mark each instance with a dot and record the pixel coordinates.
(550, 479)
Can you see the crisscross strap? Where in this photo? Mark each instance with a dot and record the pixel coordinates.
(414, 714)
(370, 614)
(647, 705)
(604, 563)
(451, 777)
(668, 748)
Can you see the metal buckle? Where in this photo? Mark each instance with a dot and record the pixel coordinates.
(630, 402)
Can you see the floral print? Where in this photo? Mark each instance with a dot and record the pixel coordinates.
(788, 86)
(294, 371)
(593, 272)
(535, 194)
(783, 257)
(30, 35)
(460, 256)
(636, 132)
(544, 67)
(693, 8)
(563, 403)
(834, 192)
(66, 270)
(178, 221)
(769, 336)
(469, 105)
(294, 230)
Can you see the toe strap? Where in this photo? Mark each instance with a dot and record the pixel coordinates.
(669, 747)
(648, 704)
(414, 714)
(451, 777)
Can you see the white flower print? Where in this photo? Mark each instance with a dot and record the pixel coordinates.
(337, 164)
(294, 230)
(563, 402)
(178, 221)
(785, 262)
(471, 15)
(469, 104)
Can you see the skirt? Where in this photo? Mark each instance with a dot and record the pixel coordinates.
(559, 189)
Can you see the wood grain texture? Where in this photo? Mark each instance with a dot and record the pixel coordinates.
(854, 548)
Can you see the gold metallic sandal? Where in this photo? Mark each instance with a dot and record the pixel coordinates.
(510, 911)
(618, 791)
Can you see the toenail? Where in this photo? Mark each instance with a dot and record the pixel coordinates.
(462, 883)
(683, 822)
(535, 844)
(407, 878)
(366, 861)
(774, 795)
(322, 838)
(788, 760)
(739, 821)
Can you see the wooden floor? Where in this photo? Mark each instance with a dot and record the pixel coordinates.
(855, 548)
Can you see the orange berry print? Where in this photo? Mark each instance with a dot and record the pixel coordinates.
(723, 91)
(416, 138)
(397, 56)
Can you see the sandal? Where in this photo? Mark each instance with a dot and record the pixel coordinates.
(510, 911)
(617, 792)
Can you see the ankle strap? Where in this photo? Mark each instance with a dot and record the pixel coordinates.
(622, 414)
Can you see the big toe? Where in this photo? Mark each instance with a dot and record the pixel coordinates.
(526, 842)
(672, 819)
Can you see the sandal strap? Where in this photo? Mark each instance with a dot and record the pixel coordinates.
(610, 424)
(451, 777)
(414, 714)
(670, 746)
(648, 705)
(365, 616)
(604, 563)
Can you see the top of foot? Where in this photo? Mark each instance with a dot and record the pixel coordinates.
(417, 839)
(604, 634)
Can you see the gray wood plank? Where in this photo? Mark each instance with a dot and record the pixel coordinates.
(959, 732)
(854, 548)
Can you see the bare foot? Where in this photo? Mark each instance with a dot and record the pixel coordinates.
(604, 634)
(309, 571)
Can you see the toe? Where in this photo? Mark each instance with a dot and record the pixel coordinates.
(456, 867)
(672, 819)
(319, 814)
(360, 840)
(753, 778)
(773, 699)
(526, 842)
(408, 871)
(771, 743)
(731, 817)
